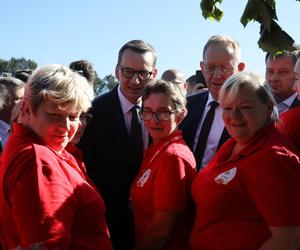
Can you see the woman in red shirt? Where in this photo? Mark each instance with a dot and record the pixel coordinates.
(247, 197)
(160, 193)
(46, 200)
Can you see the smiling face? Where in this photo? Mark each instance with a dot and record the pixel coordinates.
(54, 126)
(159, 102)
(218, 64)
(133, 88)
(245, 114)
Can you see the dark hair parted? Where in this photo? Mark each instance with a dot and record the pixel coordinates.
(138, 46)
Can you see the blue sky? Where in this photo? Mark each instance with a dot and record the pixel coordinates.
(61, 31)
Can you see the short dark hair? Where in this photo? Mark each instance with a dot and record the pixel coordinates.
(293, 54)
(138, 46)
(85, 68)
(23, 74)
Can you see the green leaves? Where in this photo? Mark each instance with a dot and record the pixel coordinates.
(272, 38)
(210, 9)
(260, 11)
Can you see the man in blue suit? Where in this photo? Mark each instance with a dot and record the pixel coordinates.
(203, 128)
(111, 157)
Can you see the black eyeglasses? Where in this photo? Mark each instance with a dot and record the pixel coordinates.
(160, 115)
(128, 73)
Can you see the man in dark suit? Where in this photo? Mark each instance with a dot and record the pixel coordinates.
(110, 154)
(280, 77)
(203, 128)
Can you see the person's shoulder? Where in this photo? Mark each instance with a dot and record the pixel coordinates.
(196, 98)
(105, 99)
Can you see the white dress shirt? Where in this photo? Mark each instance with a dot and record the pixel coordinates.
(4, 132)
(286, 104)
(126, 108)
(214, 134)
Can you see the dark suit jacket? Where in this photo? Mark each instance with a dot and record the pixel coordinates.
(196, 106)
(109, 157)
(295, 103)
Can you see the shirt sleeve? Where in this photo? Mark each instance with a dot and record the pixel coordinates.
(170, 184)
(42, 199)
(276, 188)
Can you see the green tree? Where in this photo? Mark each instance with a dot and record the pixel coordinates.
(272, 38)
(15, 64)
(104, 85)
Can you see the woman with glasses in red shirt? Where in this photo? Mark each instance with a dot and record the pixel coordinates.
(160, 193)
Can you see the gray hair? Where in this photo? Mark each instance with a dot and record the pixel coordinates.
(60, 85)
(225, 41)
(169, 89)
(240, 80)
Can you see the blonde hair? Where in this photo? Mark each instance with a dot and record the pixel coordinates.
(60, 85)
(234, 83)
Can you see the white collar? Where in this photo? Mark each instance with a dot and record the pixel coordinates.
(125, 104)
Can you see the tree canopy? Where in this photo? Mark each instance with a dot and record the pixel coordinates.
(272, 38)
(15, 64)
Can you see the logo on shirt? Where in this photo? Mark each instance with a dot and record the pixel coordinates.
(226, 177)
(141, 182)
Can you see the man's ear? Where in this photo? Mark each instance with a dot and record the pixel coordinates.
(241, 66)
(202, 66)
(154, 72)
(117, 71)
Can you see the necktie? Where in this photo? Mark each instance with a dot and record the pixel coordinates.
(136, 134)
(202, 139)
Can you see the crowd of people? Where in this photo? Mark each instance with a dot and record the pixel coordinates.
(209, 162)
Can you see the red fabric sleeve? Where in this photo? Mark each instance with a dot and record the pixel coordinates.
(170, 185)
(43, 198)
(275, 187)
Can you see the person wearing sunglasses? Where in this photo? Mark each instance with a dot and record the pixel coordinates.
(115, 138)
(160, 193)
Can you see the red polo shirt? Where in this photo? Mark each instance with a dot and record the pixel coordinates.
(289, 125)
(164, 184)
(46, 200)
(236, 200)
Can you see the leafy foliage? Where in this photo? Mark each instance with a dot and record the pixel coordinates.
(104, 85)
(272, 38)
(210, 10)
(14, 64)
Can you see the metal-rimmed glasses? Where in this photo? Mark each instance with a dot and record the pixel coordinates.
(210, 69)
(147, 115)
(128, 73)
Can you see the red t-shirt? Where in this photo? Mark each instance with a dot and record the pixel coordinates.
(236, 200)
(289, 125)
(46, 200)
(164, 183)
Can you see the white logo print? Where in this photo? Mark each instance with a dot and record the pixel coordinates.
(141, 182)
(226, 177)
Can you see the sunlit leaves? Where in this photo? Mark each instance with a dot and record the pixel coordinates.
(211, 10)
